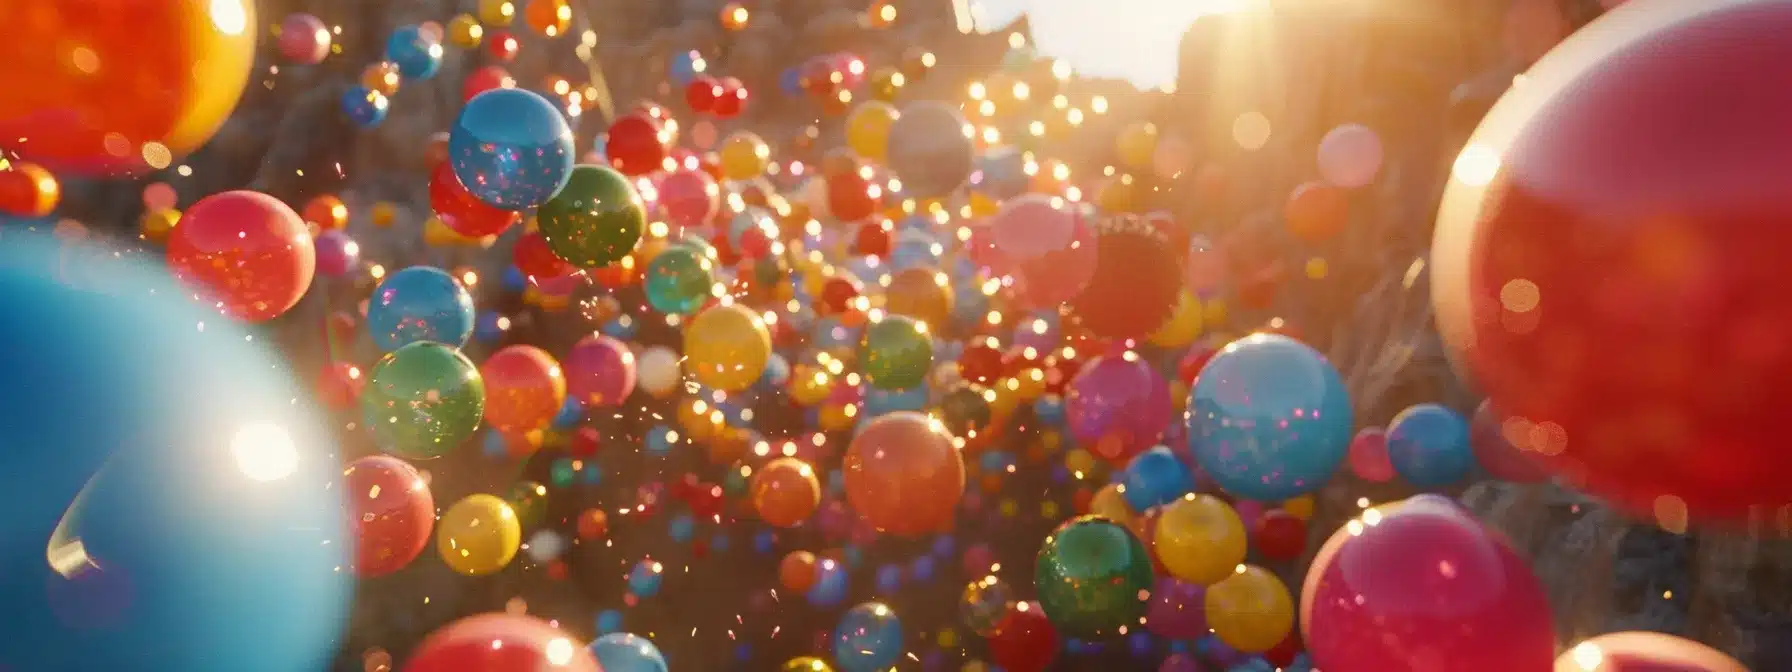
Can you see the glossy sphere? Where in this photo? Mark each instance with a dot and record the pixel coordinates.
(1250, 610)
(1644, 652)
(868, 638)
(930, 149)
(304, 39)
(245, 251)
(726, 347)
(595, 220)
(797, 571)
(419, 303)
(806, 664)
(1137, 280)
(903, 474)
(417, 54)
(1495, 453)
(423, 400)
(1049, 246)
(501, 642)
(391, 512)
(460, 211)
(1269, 419)
(679, 280)
(600, 371)
(785, 492)
(28, 190)
(983, 604)
(627, 652)
(1093, 577)
(744, 156)
(1421, 585)
(364, 106)
(511, 148)
(123, 482)
(690, 197)
(637, 144)
(524, 388)
(1613, 280)
(897, 353)
(479, 535)
(1118, 406)
(868, 129)
(1428, 446)
(85, 96)
(1024, 640)
(1199, 539)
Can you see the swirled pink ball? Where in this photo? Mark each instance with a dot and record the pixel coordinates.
(1117, 406)
(304, 39)
(600, 371)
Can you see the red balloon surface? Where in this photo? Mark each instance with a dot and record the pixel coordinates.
(701, 93)
(903, 474)
(637, 144)
(537, 260)
(460, 210)
(1137, 281)
(851, 196)
(390, 510)
(501, 643)
(524, 388)
(246, 251)
(1024, 640)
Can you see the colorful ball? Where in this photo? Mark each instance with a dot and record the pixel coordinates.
(511, 148)
(1269, 418)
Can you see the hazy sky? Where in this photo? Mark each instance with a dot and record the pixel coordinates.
(1131, 39)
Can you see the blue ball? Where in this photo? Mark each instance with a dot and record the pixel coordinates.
(1049, 409)
(682, 528)
(417, 56)
(830, 586)
(1429, 447)
(621, 327)
(489, 326)
(921, 570)
(889, 578)
(494, 446)
(419, 303)
(660, 440)
(644, 579)
(867, 639)
(879, 401)
(790, 81)
(365, 107)
(685, 67)
(189, 508)
(513, 279)
(776, 374)
(1269, 418)
(571, 414)
(764, 541)
(720, 542)
(511, 148)
(626, 652)
(608, 621)
(1154, 478)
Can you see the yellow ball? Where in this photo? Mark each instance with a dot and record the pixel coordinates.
(806, 664)
(726, 347)
(384, 214)
(1250, 610)
(1178, 396)
(1029, 385)
(437, 234)
(838, 417)
(1119, 194)
(974, 666)
(983, 206)
(868, 129)
(496, 13)
(1316, 268)
(1109, 503)
(1200, 539)
(1051, 441)
(465, 32)
(1006, 397)
(531, 296)
(1048, 510)
(1079, 460)
(809, 385)
(948, 639)
(744, 156)
(157, 223)
(1213, 312)
(1184, 325)
(1300, 507)
(1137, 144)
(479, 535)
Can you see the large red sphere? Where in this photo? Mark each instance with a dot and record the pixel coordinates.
(637, 145)
(501, 643)
(245, 251)
(390, 510)
(1608, 261)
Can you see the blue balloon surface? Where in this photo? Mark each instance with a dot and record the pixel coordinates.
(868, 638)
(419, 303)
(1154, 478)
(363, 106)
(627, 652)
(416, 55)
(168, 506)
(1269, 419)
(511, 148)
(1428, 445)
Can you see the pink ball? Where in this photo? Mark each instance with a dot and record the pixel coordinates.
(1048, 244)
(1369, 455)
(1350, 156)
(1117, 406)
(337, 254)
(977, 560)
(1178, 609)
(1644, 652)
(690, 197)
(600, 371)
(304, 39)
(1498, 456)
(1420, 585)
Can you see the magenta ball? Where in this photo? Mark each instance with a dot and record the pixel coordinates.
(304, 39)
(600, 371)
(1048, 244)
(1178, 609)
(1118, 406)
(1499, 457)
(690, 197)
(1369, 455)
(1421, 586)
(337, 254)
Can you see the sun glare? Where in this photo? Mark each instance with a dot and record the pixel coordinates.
(1136, 40)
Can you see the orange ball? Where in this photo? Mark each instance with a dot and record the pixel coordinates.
(28, 190)
(524, 388)
(1316, 212)
(904, 475)
(593, 524)
(797, 571)
(325, 213)
(735, 16)
(785, 492)
(548, 17)
(111, 87)
(381, 77)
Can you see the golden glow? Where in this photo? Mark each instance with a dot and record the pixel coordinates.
(264, 452)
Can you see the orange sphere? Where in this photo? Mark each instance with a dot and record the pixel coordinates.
(382, 77)
(524, 388)
(735, 16)
(325, 213)
(1316, 211)
(548, 17)
(593, 524)
(904, 474)
(797, 571)
(785, 492)
(28, 190)
(120, 86)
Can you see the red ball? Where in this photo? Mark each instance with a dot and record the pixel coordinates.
(1137, 282)
(462, 212)
(1195, 359)
(1282, 654)
(537, 260)
(585, 442)
(837, 295)
(245, 251)
(873, 239)
(339, 385)
(485, 79)
(502, 46)
(391, 512)
(701, 93)
(1280, 535)
(852, 196)
(981, 363)
(501, 643)
(637, 144)
(732, 101)
(1609, 259)
(1025, 640)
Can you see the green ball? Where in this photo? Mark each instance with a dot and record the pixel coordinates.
(679, 280)
(1092, 577)
(964, 409)
(594, 221)
(897, 353)
(422, 400)
(530, 502)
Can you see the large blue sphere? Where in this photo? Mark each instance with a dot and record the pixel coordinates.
(1269, 418)
(419, 303)
(167, 504)
(868, 638)
(511, 148)
(1428, 445)
(417, 56)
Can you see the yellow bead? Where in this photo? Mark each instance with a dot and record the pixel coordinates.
(496, 13)
(384, 214)
(465, 32)
(948, 639)
(1316, 268)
